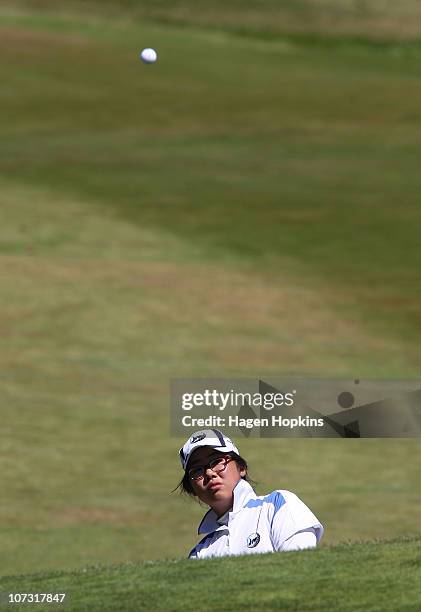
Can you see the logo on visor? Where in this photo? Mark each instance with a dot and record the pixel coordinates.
(253, 540)
(195, 439)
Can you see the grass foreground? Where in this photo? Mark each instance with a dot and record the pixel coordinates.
(377, 575)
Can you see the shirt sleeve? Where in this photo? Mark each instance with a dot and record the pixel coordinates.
(301, 540)
(291, 516)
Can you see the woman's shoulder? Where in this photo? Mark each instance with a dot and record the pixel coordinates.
(274, 500)
(280, 500)
(286, 511)
(278, 496)
(271, 502)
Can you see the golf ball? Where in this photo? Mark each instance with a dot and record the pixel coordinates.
(148, 56)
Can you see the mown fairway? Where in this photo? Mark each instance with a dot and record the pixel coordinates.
(372, 576)
(247, 206)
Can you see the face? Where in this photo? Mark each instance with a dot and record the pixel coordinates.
(215, 489)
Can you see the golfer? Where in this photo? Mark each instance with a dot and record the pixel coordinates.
(239, 521)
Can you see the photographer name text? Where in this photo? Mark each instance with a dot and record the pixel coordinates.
(250, 423)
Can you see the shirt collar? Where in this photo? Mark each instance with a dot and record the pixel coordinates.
(242, 493)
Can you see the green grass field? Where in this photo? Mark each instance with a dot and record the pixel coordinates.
(325, 579)
(248, 206)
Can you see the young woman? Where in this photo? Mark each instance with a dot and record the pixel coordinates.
(239, 521)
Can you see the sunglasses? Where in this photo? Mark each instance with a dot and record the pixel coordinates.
(216, 465)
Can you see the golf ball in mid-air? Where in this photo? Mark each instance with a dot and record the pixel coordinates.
(149, 56)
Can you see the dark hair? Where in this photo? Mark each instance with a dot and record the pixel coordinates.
(185, 485)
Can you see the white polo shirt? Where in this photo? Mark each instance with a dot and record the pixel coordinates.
(279, 521)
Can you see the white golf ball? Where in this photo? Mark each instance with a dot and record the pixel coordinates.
(149, 56)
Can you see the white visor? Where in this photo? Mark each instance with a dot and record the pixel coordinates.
(206, 437)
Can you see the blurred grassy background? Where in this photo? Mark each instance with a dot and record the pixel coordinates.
(372, 19)
(247, 206)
